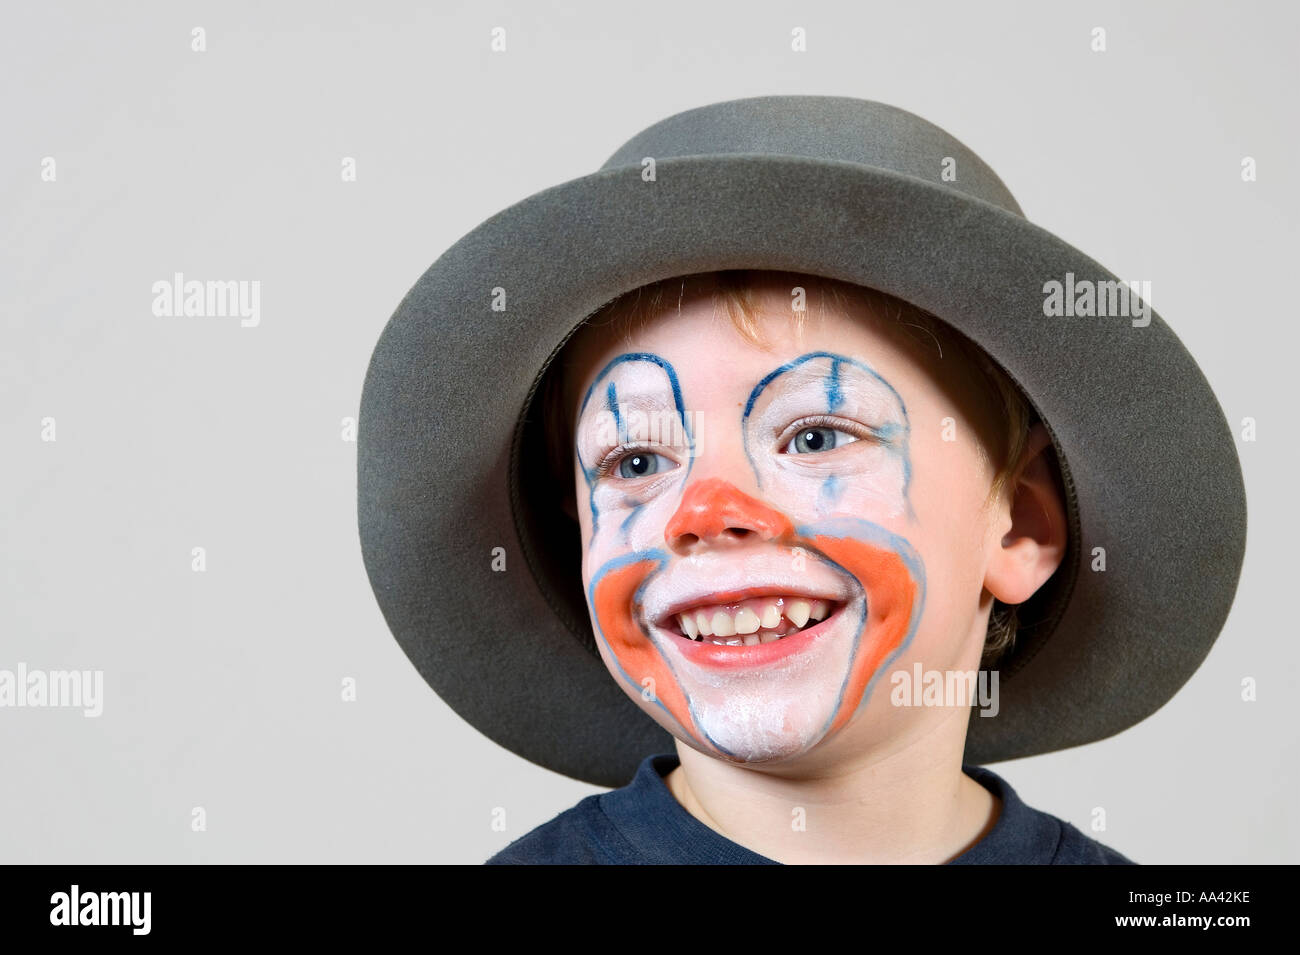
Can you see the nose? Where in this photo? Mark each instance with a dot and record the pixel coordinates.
(714, 509)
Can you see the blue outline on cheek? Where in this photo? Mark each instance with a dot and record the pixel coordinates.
(590, 475)
(856, 529)
(838, 527)
(627, 521)
(612, 398)
(895, 435)
(891, 433)
(661, 556)
(831, 489)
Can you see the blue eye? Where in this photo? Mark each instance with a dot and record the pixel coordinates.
(812, 440)
(642, 463)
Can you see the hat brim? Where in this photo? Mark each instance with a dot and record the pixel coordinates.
(446, 473)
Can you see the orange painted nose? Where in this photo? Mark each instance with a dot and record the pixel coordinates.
(714, 507)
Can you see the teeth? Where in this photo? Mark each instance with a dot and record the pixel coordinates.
(798, 611)
(761, 620)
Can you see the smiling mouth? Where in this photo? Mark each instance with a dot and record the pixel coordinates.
(749, 622)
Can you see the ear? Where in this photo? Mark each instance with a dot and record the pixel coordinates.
(1033, 520)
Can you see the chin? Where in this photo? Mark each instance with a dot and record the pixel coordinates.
(752, 729)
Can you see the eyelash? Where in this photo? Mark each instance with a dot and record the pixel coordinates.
(858, 431)
(616, 455)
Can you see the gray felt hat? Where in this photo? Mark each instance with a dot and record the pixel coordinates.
(837, 187)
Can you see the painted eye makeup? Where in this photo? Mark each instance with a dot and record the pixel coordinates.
(818, 435)
(815, 439)
(631, 463)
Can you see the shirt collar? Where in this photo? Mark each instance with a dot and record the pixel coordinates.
(660, 830)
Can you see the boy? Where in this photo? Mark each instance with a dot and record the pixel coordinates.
(787, 523)
(809, 537)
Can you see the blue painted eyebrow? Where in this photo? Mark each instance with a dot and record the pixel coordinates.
(834, 398)
(611, 399)
(637, 356)
(834, 393)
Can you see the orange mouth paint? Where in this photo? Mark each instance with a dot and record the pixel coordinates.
(613, 598)
(892, 594)
(883, 564)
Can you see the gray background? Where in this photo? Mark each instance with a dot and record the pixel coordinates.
(222, 688)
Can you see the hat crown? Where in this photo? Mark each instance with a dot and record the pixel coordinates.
(838, 128)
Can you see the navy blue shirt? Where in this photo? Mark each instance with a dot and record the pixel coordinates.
(643, 823)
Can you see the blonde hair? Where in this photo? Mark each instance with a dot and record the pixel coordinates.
(1002, 421)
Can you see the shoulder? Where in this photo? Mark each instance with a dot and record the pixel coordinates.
(581, 835)
(1025, 835)
(1077, 848)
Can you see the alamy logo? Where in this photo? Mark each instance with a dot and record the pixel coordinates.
(102, 908)
(621, 425)
(920, 687)
(208, 299)
(1086, 298)
(73, 688)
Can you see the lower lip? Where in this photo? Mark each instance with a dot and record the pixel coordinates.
(722, 657)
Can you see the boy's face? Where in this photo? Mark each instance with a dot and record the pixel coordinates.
(792, 523)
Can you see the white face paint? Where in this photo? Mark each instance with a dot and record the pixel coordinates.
(845, 401)
(800, 453)
(637, 403)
